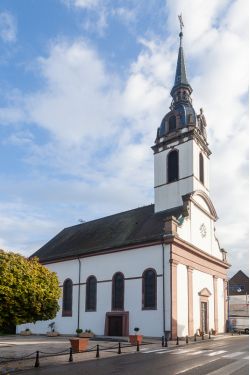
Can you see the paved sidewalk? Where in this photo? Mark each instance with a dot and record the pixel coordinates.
(15, 347)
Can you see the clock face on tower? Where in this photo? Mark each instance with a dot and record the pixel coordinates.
(203, 230)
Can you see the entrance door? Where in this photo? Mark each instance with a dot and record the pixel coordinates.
(204, 317)
(115, 326)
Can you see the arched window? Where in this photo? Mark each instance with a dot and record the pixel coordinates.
(91, 288)
(149, 289)
(173, 166)
(118, 291)
(67, 298)
(172, 124)
(201, 168)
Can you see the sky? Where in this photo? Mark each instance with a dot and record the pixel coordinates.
(84, 84)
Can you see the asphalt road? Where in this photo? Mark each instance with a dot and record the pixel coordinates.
(227, 356)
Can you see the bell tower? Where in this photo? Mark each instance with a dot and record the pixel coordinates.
(181, 153)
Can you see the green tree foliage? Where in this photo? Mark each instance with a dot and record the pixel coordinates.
(28, 290)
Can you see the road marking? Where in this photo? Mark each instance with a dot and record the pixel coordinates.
(229, 369)
(155, 350)
(217, 353)
(197, 366)
(200, 352)
(180, 351)
(232, 355)
(246, 358)
(143, 349)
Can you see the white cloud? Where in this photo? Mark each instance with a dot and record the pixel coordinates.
(8, 28)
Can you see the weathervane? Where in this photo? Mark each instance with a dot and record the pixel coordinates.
(181, 26)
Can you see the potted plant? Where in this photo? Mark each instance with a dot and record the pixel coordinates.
(26, 332)
(87, 334)
(78, 332)
(136, 337)
(52, 332)
(79, 344)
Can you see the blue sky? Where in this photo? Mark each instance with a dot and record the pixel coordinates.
(84, 85)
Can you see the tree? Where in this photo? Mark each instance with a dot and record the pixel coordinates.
(28, 290)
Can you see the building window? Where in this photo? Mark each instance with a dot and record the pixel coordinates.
(201, 168)
(173, 166)
(172, 124)
(149, 289)
(118, 291)
(91, 288)
(67, 298)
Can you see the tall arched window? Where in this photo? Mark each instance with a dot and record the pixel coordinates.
(172, 124)
(201, 168)
(91, 288)
(149, 289)
(118, 291)
(173, 166)
(67, 298)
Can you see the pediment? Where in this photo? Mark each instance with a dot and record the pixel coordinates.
(203, 202)
(205, 293)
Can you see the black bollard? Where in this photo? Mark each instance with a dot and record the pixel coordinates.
(166, 342)
(162, 341)
(186, 339)
(70, 355)
(119, 348)
(137, 346)
(177, 340)
(195, 337)
(209, 335)
(97, 351)
(37, 363)
(202, 337)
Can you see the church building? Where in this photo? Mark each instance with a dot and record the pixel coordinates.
(159, 267)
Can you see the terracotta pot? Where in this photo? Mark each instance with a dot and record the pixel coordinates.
(52, 334)
(87, 335)
(25, 333)
(79, 344)
(134, 338)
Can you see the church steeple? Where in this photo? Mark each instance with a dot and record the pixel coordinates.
(181, 80)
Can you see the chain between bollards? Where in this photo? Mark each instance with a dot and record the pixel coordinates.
(186, 339)
(137, 346)
(97, 351)
(119, 348)
(70, 355)
(37, 363)
(177, 340)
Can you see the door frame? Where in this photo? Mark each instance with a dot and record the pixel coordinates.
(125, 322)
(204, 297)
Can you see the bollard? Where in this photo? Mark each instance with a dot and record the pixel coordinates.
(97, 351)
(177, 340)
(137, 346)
(209, 335)
(166, 343)
(119, 348)
(202, 336)
(162, 341)
(70, 355)
(186, 339)
(37, 363)
(195, 337)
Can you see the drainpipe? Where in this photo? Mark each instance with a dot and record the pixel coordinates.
(163, 287)
(79, 293)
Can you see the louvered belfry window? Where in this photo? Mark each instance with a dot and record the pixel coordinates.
(149, 289)
(118, 291)
(173, 166)
(67, 298)
(91, 289)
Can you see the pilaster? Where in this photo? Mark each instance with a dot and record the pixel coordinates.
(190, 301)
(215, 304)
(173, 268)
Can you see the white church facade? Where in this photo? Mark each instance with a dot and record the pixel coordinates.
(158, 267)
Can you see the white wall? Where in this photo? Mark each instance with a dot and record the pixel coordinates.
(182, 301)
(131, 263)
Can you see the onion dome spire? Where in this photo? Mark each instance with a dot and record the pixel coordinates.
(180, 75)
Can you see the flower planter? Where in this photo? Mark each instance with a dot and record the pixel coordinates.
(135, 338)
(52, 334)
(79, 344)
(25, 333)
(87, 335)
